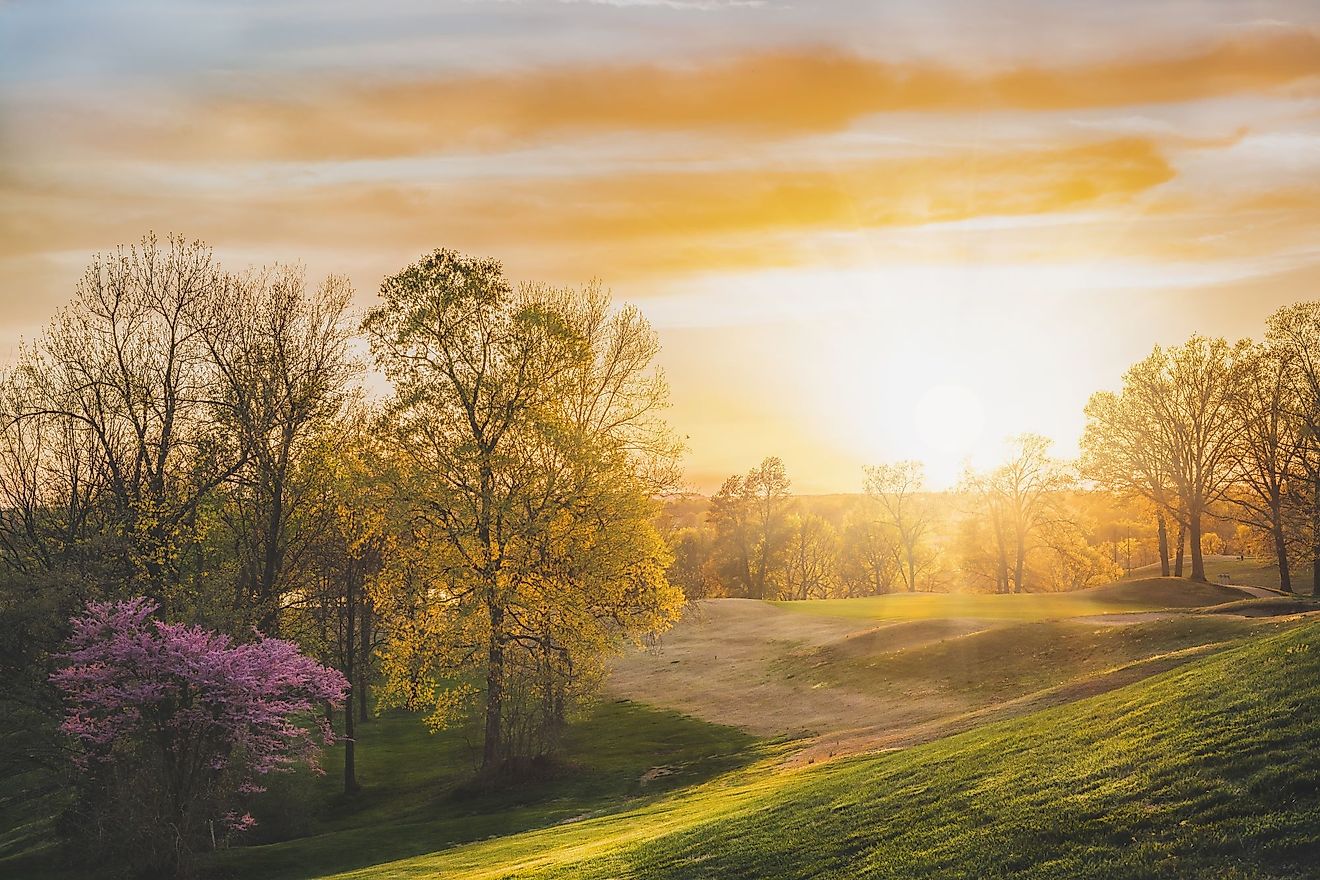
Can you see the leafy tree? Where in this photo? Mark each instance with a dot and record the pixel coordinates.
(1293, 333)
(176, 725)
(528, 432)
(357, 521)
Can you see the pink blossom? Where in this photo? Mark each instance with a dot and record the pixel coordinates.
(192, 694)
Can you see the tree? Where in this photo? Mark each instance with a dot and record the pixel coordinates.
(282, 358)
(811, 559)
(356, 528)
(691, 570)
(896, 491)
(1017, 500)
(1293, 333)
(750, 518)
(1270, 447)
(527, 428)
(1123, 453)
(1190, 392)
(868, 559)
(176, 725)
(1069, 561)
(125, 373)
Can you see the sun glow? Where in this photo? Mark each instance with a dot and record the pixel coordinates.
(950, 423)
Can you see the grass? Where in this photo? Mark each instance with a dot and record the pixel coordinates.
(1251, 572)
(1147, 594)
(414, 799)
(1008, 661)
(1206, 771)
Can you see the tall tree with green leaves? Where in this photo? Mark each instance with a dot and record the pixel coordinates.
(528, 426)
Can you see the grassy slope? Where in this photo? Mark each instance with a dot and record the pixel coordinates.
(412, 801)
(1252, 572)
(1206, 771)
(1147, 594)
(1007, 661)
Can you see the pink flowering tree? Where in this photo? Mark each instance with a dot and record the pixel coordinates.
(175, 725)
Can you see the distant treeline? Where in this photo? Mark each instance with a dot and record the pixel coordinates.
(1208, 447)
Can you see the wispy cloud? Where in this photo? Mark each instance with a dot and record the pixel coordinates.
(765, 95)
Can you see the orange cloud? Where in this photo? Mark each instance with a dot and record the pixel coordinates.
(781, 93)
(639, 222)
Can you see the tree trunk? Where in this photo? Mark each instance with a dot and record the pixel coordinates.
(350, 652)
(1198, 561)
(1021, 562)
(1182, 545)
(1164, 545)
(1280, 549)
(1315, 535)
(364, 664)
(493, 747)
(350, 745)
(1001, 558)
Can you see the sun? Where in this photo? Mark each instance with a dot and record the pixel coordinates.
(949, 421)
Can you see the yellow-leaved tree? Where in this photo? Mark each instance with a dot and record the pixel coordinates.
(528, 432)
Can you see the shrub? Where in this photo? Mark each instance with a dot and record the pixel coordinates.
(176, 726)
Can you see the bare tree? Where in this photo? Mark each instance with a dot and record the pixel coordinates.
(1191, 391)
(125, 369)
(1293, 333)
(1121, 453)
(868, 558)
(896, 489)
(811, 558)
(1017, 499)
(284, 372)
(1271, 450)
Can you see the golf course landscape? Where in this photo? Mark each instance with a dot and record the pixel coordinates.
(659, 440)
(1151, 728)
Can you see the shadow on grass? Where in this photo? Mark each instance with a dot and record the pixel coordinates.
(417, 794)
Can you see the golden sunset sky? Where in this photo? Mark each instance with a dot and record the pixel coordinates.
(865, 231)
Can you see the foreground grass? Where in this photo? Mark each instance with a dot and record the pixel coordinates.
(416, 795)
(1206, 771)
(1147, 594)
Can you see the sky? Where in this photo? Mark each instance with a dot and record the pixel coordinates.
(864, 231)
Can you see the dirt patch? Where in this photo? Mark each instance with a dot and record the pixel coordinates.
(848, 685)
(906, 634)
(723, 662)
(1274, 606)
(1128, 618)
(886, 737)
